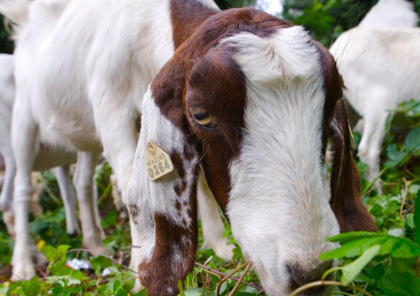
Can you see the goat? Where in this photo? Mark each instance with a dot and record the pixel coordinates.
(390, 13)
(380, 67)
(77, 119)
(240, 95)
(46, 158)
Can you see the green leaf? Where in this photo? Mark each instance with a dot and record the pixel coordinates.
(395, 156)
(412, 140)
(355, 243)
(350, 271)
(400, 284)
(99, 263)
(417, 218)
(181, 288)
(193, 292)
(64, 281)
(31, 287)
(4, 290)
(55, 256)
(49, 252)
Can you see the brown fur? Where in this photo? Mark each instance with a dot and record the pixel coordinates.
(346, 203)
(160, 273)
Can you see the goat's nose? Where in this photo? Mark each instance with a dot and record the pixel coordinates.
(300, 276)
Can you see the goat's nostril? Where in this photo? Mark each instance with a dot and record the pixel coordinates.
(302, 276)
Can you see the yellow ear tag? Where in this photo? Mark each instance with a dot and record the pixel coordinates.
(158, 163)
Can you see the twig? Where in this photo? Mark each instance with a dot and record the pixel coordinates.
(411, 156)
(228, 276)
(408, 211)
(411, 174)
(372, 183)
(404, 196)
(325, 283)
(240, 279)
(367, 192)
(220, 274)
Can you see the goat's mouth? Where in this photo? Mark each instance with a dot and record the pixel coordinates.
(310, 285)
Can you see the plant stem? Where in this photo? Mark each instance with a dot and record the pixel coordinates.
(325, 283)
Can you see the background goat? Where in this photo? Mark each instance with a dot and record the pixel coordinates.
(380, 66)
(246, 96)
(46, 158)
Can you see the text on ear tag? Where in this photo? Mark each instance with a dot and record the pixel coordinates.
(158, 163)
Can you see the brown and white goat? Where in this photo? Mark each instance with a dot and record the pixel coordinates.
(246, 97)
(253, 101)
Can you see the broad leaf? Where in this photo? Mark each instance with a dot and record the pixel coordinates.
(417, 218)
(99, 263)
(350, 271)
(31, 287)
(355, 243)
(412, 140)
(401, 284)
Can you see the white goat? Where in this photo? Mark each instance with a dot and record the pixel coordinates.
(390, 13)
(380, 66)
(46, 159)
(80, 76)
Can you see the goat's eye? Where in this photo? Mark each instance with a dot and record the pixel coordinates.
(201, 117)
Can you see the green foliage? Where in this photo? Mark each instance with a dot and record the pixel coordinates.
(6, 46)
(324, 19)
(224, 4)
(356, 243)
(391, 269)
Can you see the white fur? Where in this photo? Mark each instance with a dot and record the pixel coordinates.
(154, 197)
(45, 160)
(279, 203)
(212, 227)
(380, 67)
(82, 68)
(390, 13)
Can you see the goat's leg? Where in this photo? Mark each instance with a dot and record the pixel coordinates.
(69, 199)
(6, 198)
(97, 216)
(371, 143)
(116, 196)
(116, 122)
(211, 222)
(24, 143)
(92, 231)
(38, 184)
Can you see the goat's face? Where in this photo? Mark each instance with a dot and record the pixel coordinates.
(257, 106)
(253, 108)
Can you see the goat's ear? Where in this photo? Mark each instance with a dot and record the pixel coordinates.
(346, 203)
(163, 212)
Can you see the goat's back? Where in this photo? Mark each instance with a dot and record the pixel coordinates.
(91, 54)
(379, 64)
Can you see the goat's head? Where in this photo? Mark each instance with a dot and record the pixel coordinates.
(254, 101)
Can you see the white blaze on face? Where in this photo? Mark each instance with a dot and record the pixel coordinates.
(279, 202)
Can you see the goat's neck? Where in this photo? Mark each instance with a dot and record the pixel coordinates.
(188, 15)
